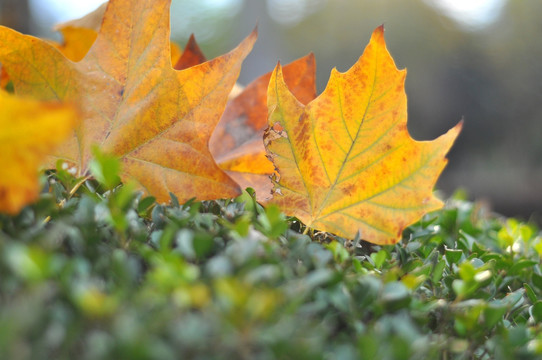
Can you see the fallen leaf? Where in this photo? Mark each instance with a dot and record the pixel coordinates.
(78, 35)
(191, 56)
(237, 142)
(134, 105)
(76, 42)
(91, 21)
(30, 130)
(4, 78)
(346, 162)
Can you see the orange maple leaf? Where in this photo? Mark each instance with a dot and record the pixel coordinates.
(91, 21)
(134, 105)
(191, 56)
(346, 162)
(76, 41)
(29, 130)
(79, 35)
(237, 142)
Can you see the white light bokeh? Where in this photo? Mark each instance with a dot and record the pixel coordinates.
(291, 12)
(63, 10)
(196, 15)
(470, 14)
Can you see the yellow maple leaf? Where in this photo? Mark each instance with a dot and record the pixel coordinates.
(346, 162)
(77, 42)
(79, 35)
(237, 142)
(134, 105)
(29, 130)
(190, 56)
(91, 21)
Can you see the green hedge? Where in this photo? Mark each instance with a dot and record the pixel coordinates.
(92, 274)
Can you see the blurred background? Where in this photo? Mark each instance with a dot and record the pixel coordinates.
(474, 59)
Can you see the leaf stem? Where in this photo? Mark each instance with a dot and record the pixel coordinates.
(74, 190)
(78, 185)
(70, 194)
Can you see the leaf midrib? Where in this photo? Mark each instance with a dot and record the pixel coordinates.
(332, 187)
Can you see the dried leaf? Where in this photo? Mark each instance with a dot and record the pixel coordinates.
(77, 42)
(29, 131)
(345, 162)
(134, 105)
(78, 36)
(91, 21)
(237, 143)
(191, 56)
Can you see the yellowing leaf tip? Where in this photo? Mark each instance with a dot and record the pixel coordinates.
(378, 34)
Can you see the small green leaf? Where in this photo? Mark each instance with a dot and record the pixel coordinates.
(144, 205)
(273, 222)
(514, 299)
(536, 311)
(537, 281)
(494, 313)
(395, 296)
(453, 256)
(105, 168)
(438, 271)
(248, 197)
(379, 258)
(242, 225)
(530, 293)
(520, 265)
(467, 271)
(339, 252)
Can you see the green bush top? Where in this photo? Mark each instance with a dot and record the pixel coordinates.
(100, 272)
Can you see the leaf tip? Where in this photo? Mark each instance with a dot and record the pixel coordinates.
(247, 44)
(253, 34)
(276, 75)
(456, 130)
(378, 34)
(459, 125)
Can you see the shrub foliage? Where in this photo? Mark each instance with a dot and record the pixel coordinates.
(94, 270)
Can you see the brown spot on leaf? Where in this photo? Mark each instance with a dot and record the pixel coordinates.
(349, 189)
